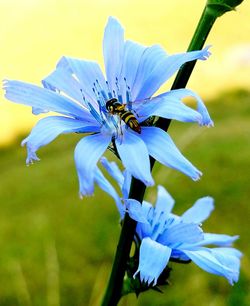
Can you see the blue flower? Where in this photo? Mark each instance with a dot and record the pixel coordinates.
(78, 91)
(165, 236)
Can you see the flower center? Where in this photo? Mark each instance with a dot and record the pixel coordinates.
(110, 123)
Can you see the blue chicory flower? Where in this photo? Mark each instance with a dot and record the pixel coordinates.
(78, 91)
(165, 236)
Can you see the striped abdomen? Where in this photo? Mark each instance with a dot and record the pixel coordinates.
(129, 118)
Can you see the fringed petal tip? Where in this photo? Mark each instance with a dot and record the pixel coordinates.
(197, 176)
(145, 278)
(31, 158)
(205, 53)
(208, 123)
(83, 193)
(5, 84)
(31, 153)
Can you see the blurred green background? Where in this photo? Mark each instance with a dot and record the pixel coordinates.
(57, 250)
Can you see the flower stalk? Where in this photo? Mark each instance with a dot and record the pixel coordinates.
(213, 10)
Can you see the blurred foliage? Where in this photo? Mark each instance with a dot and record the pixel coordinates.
(57, 250)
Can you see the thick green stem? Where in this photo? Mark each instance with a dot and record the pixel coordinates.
(137, 190)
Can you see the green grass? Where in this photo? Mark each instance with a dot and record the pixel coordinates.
(57, 249)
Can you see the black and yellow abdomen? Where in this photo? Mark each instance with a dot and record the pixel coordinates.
(116, 108)
(129, 118)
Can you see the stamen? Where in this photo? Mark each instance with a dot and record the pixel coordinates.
(118, 90)
(101, 90)
(83, 98)
(109, 91)
(101, 102)
(128, 95)
(95, 114)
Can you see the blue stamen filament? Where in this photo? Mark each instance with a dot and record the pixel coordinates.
(128, 95)
(109, 91)
(118, 90)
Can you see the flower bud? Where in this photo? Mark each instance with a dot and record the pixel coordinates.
(220, 7)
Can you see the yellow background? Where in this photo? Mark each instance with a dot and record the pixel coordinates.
(34, 34)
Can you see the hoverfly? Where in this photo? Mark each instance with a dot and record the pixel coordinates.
(114, 107)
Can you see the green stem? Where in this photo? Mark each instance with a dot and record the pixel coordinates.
(137, 190)
(113, 292)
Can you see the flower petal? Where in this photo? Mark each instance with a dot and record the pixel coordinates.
(153, 259)
(113, 170)
(87, 153)
(133, 53)
(113, 50)
(126, 184)
(47, 129)
(200, 211)
(134, 156)
(169, 105)
(163, 207)
(44, 99)
(166, 106)
(201, 108)
(149, 59)
(219, 261)
(165, 68)
(145, 229)
(181, 233)
(217, 239)
(164, 203)
(107, 187)
(162, 148)
(87, 72)
(62, 80)
(136, 210)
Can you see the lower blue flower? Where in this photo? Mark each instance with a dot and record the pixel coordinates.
(165, 236)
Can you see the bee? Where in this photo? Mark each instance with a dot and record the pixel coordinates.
(114, 107)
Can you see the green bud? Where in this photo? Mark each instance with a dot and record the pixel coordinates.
(220, 7)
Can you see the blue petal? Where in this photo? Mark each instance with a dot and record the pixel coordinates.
(150, 58)
(224, 262)
(133, 53)
(163, 207)
(61, 79)
(107, 187)
(145, 229)
(169, 105)
(217, 239)
(87, 72)
(47, 129)
(182, 233)
(165, 68)
(43, 98)
(201, 108)
(200, 211)
(126, 184)
(113, 50)
(166, 106)
(136, 210)
(153, 259)
(134, 156)
(164, 203)
(163, 149)
(113, 170)
(87, 153)
(178, 254)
